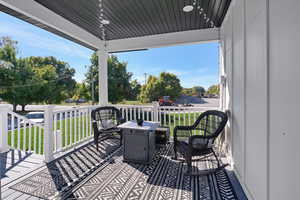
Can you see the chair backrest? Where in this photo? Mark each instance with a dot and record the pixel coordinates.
(106, 117)
(211, 123)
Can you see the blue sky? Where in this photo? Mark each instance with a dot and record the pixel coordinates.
(193, 64)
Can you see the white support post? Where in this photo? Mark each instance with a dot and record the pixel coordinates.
(103, 77)
(155, 111)
(48, 134)
(4, 109)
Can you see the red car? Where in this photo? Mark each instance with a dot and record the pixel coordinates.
(165, 101)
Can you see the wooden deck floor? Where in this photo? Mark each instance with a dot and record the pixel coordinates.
(15, 166)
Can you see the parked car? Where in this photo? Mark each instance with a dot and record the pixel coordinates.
(81, 100)
(37, 117)
(70, 101)
(165, 101)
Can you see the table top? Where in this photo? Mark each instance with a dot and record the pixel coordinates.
(147, 125)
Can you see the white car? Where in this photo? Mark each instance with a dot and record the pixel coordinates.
(37, 117)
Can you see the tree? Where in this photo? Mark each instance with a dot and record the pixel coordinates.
(119, 87)
(198, 91)
(151, 91)
(135, 90)
(9, 70)
(214, 90)
(34, 79)
(60, 82)
(81, 91)
(167, 84)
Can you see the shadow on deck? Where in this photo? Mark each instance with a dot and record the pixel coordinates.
(88, 174)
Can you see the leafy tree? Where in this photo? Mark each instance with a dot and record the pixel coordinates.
(135, 89)
(214, 90)
(60, 82)
(167, 84)
(170, 85)
(151, 91)
(119, 87)
(34, 79)
(194, 91)
(81, 91)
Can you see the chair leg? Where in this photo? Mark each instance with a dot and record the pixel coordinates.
(218, 161)
(121, 139)
(175, 151)
(96, 138)
(189, 164)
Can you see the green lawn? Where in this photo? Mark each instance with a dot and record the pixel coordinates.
(66, 126)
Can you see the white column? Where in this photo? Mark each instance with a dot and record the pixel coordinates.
(48, 134)
(103, 77)
(155, 111)
(4, 109)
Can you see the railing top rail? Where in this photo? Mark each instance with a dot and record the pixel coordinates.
(188, 108)
(25, 119)
(132, 106)
(74, 109)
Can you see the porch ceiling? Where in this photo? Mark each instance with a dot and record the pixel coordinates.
(136, 18)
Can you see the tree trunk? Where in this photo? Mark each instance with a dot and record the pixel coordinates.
(23, 108)
(15, 107)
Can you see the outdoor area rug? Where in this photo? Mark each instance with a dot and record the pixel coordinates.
(163, 179)
(67, 171)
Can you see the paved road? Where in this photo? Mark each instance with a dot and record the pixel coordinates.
(37, 107)
(204, 102)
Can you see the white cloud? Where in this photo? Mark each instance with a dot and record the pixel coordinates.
(32, 39)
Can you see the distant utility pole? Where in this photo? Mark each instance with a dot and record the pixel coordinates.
(145, 74)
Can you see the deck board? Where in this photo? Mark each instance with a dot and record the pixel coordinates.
(14, 166)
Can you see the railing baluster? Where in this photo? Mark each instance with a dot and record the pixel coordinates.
(19, 133)
(35, 145)
(90, 121)
(12, 131)
(75, 126)
(139, 113)
(39, 135)
(55, 130)
(65, 129)
(30, 135)
(80, 125)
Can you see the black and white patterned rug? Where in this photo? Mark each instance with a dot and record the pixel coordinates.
(163, 179)
(114, 179)
(67, 171)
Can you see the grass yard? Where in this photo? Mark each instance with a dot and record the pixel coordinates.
(32, 138)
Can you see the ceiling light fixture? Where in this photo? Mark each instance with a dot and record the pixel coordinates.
(188, 8)
(197, 5)
(105, 21)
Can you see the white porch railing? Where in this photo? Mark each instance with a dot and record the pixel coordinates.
(18, 132)
(69, 128)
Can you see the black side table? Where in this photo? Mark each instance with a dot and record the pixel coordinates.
(162, 135)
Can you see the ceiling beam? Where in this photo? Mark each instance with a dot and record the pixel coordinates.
(40, 14)
(163, 40)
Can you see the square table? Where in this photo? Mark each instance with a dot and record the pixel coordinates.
(138, 141)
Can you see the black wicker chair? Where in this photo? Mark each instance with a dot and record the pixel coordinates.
(105, 124)
(200, 139)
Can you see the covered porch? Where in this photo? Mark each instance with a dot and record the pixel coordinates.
(259, 142)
